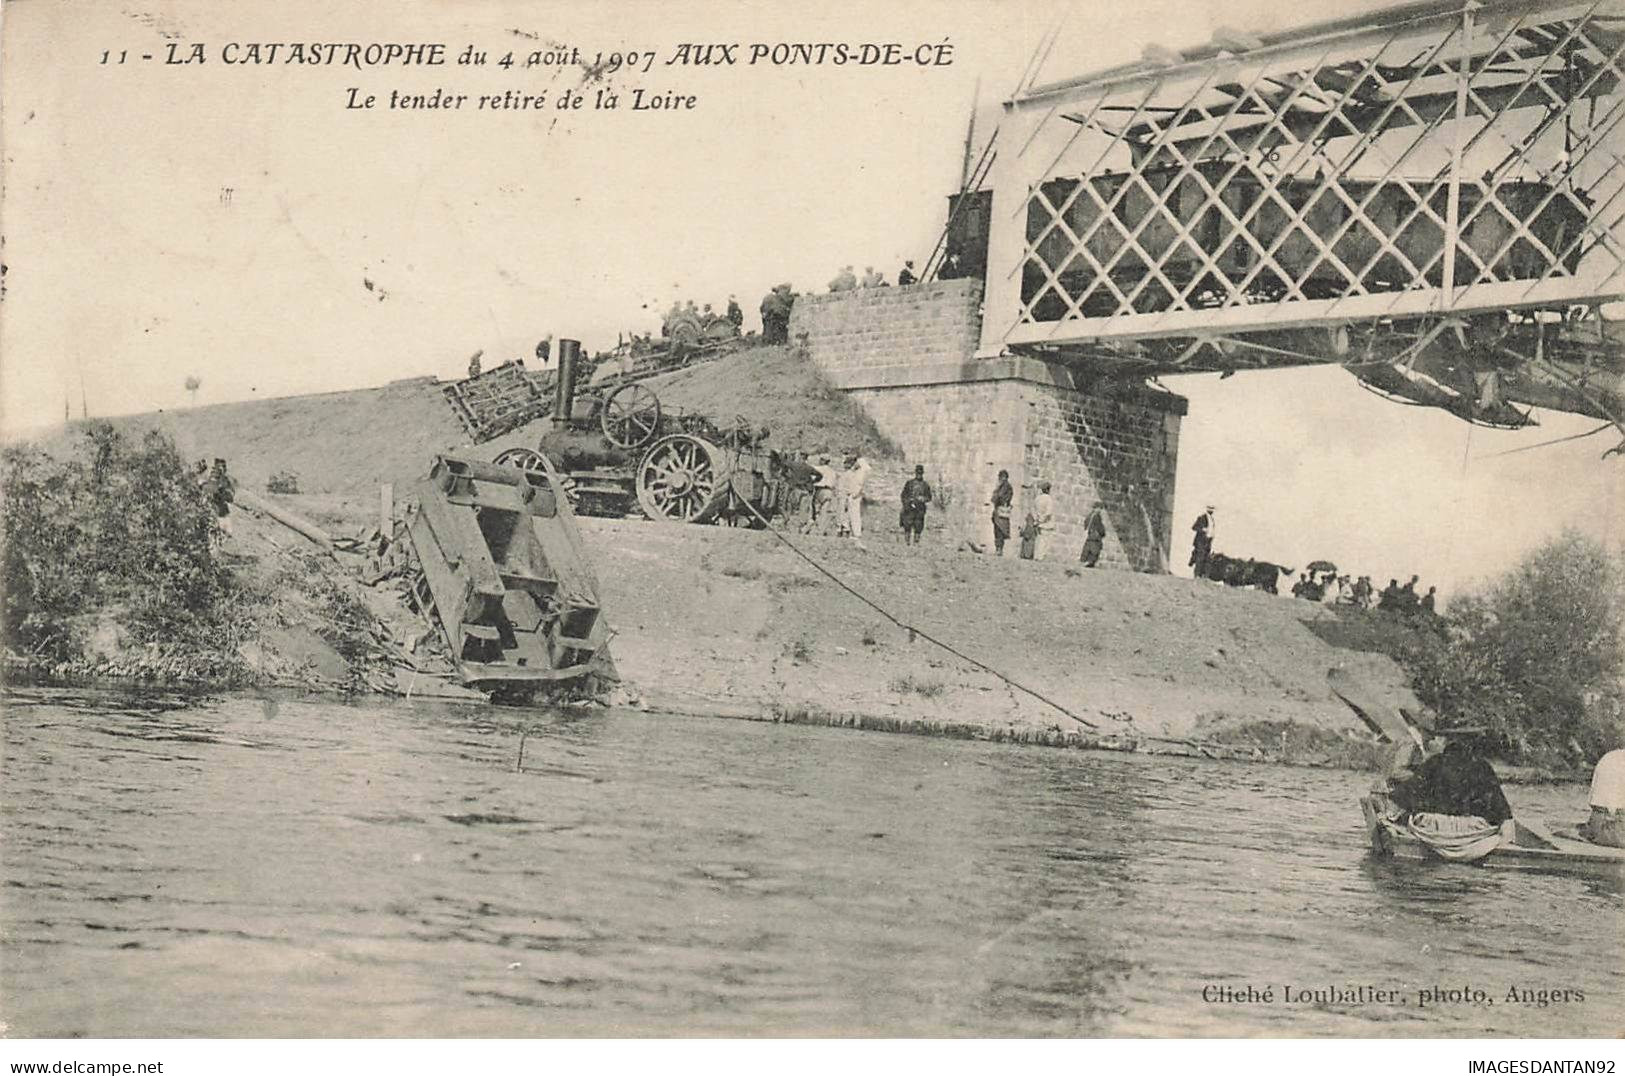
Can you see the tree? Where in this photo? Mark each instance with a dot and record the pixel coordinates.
(121, 526)
(193, 383)
(1537, 655)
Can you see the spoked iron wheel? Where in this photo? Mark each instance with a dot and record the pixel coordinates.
(679, 478)
(528, 459)
(631, 417)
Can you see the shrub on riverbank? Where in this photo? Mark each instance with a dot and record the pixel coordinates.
(1535, 655)
(121, 537)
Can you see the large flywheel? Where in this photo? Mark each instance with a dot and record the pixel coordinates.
(528, 459)
(679, 478)
(630, 417)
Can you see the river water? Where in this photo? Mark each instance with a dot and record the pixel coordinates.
(241, 866)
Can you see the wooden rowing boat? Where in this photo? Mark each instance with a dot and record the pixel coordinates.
(1521, 847)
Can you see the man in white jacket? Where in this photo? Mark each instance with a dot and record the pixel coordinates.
(851, 487)
(1044, 515)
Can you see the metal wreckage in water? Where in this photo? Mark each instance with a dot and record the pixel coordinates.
(505, 576)
(503, 572)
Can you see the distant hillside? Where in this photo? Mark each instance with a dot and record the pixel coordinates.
(336, 442)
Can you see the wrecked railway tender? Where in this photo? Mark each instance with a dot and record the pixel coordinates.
(505, 575)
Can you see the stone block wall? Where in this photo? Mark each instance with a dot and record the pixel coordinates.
(1114, 449)
(962, 434)
(907, 355)
(876, 328)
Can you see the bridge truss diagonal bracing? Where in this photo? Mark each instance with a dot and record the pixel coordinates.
(1434, 160)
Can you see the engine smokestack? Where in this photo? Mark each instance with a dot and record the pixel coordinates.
(564, 385)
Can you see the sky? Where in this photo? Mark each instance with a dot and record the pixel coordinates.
(240, 224)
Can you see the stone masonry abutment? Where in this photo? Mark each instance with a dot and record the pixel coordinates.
(907, 354)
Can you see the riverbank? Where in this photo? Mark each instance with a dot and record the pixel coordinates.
(732, 622)
(711, 620)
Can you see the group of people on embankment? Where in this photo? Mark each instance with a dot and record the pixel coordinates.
(827, 499)
(1038, 530)
(1318, 582)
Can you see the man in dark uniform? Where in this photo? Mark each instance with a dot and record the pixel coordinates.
(905, 275)
(1202, 543)
(1095, 539)
(1004, 495)
(772, 317)
(916, 497)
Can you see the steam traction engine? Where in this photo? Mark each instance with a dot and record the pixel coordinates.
(621, 452)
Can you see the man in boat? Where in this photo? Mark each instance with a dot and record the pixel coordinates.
(1456, 781)
(1607, 822)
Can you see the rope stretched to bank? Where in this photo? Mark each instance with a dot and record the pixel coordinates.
(911, 629)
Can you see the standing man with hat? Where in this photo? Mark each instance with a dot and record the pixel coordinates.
(1044, 516)
(1004, 494)
(1202, 543)
(916, 498)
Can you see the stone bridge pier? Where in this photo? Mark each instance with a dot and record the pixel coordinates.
(907, 355)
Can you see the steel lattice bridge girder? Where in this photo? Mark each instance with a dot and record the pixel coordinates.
(1435, 159)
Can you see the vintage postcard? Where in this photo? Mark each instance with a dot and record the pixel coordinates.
(970, 519)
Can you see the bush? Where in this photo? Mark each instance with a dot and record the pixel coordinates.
(123, 526)
(282, 482)
(923, 687)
